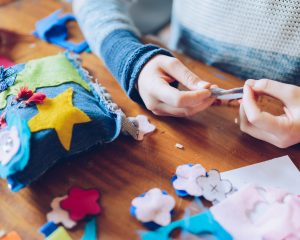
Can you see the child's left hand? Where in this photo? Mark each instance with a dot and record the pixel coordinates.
(281, 131)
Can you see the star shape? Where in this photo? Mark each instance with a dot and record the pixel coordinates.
(154, 206)
(59, 215)
(186, 179)
(59, 114)
(144, 126)
(81, 203)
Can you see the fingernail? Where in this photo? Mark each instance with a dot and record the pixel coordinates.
(202, 84)
(250, 82)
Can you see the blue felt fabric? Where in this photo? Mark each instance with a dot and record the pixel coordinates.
(90, 229)
(48, 228)
(46, 149)
(125, 56)
(202, 223)
(53, 29)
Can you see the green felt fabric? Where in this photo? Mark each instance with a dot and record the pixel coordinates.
(45, 72)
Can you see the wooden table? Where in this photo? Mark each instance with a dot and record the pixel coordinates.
(125, 168)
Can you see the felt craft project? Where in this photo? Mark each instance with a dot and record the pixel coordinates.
(7, 77)
(154, 206)
(12, 236)
(144, 126)
(59, 215)
(193, 180)
(81, 203)
(53, 29)
(55, 110)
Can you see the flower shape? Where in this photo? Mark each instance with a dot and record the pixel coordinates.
(185, 180)
(81, 203)
(7, 77)
(14, 145)
(144, 126)
(213, 187)
(59, 215)
(153, 206)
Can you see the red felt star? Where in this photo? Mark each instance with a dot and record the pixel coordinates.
(81, 203)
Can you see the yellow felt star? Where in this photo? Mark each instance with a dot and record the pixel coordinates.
(59, 114)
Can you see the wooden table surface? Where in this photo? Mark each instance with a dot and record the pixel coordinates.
(125, 168)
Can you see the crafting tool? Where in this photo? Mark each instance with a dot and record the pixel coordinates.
(234, 93)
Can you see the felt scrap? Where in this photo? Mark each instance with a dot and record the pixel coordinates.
(185, 180)
(46, 72)
(154, 206)
(20, 157)
(59, 215)
(214, 188)
(255, 213)
(48, 228)
(12, 236)
(81, 203)
(59, 234)
(59, 114)
(6, 62)
(2, 233)
(90, 229)
(9, 144)
(178, 145)
(144, 126)
(53, 29)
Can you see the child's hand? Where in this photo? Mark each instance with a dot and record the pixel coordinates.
(165, 100)
(282, 131)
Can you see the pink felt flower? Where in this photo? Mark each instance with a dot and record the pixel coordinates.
(81, 203)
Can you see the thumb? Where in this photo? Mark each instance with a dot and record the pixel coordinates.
(182, 74)
(281, 91)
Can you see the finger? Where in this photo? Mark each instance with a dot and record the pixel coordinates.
(255, 132)
(163, 109)
(182, 74)
(176, 98)
(281, 91)
(258, 118)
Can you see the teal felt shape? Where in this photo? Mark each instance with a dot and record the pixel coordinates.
(90, 229)
(20, 159)
(203, 223)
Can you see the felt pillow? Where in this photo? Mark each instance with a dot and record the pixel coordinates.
(36, 133)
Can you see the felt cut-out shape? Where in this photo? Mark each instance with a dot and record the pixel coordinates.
(9, 144)
(59, 234)
(14, 145)
(214, 188)
(7, 77)
(203, 223)
(255, 213)
(46, 72)
(185, 180)
(154, 206)
(2, 233)
(6, 62)
(53, 29)
(12, 236)
(90, 230)
(144, 126)
(59, 215)
(59, 114)
(81, 203)
(48, 228)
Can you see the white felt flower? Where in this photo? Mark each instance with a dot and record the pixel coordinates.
(59, 215)
(144, 126)
(9, 144)
(213, 187)
(187, 179)
(154, 206)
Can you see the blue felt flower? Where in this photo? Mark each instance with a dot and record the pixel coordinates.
(153, 208)
(15, 143)
(7, 77)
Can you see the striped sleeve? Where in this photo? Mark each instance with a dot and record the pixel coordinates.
(112, 36)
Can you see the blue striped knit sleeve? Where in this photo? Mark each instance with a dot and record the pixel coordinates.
(112, 36)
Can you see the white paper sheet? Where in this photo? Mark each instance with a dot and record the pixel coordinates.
(278, 172)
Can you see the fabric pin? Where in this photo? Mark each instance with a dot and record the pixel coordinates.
(153, 208)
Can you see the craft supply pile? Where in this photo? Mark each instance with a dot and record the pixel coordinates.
(33, 122)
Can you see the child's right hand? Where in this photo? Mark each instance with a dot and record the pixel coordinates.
(281, 131)
(165, 100)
